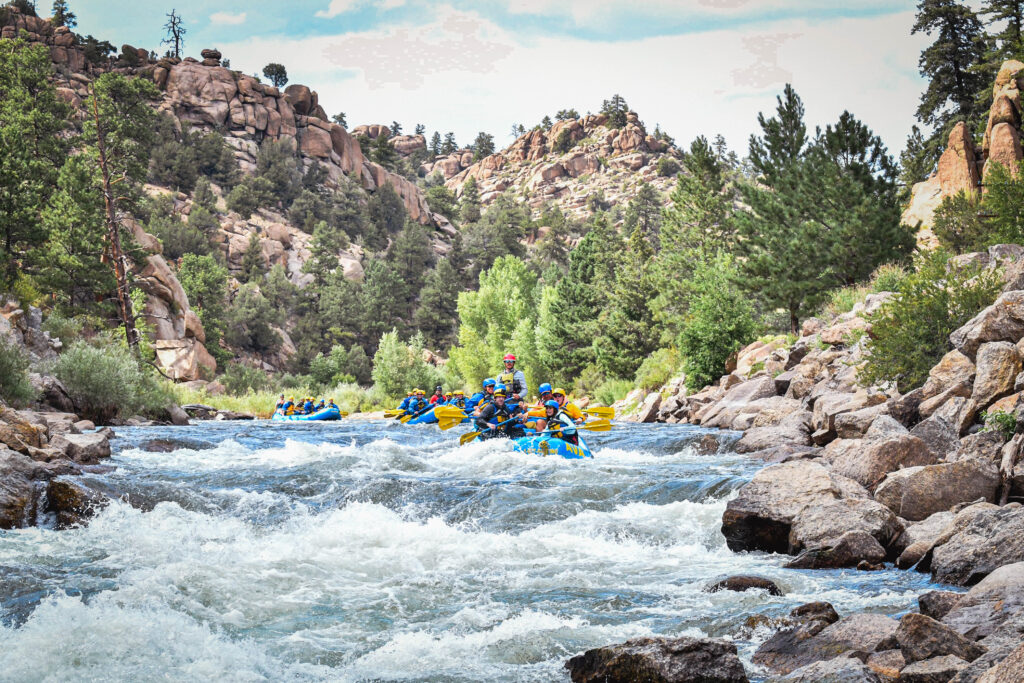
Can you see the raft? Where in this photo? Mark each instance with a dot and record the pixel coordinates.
(548, 445)
(426, 418)
(332, 413)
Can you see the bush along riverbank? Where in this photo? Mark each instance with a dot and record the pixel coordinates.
(926, 472)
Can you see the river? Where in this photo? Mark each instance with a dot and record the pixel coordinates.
(368, 550)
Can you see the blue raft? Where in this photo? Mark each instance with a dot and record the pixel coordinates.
(426, 418)
(333, 413)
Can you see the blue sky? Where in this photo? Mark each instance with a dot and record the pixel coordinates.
(692, 66)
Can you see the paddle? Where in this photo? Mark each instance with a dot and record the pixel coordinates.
(448, 413)
(393, 413)
(447, 423)
(607, 413)
(593, 426)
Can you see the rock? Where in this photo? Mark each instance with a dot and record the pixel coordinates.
(793, 430)
(17, 433)
(849, 550)
(937, 434)
(85, 426)
(998, 366)
(1007, 670)
(793, 648)
(979, 541)
(906, 408)
(51, 392)
(926, 531)
(659, 660)
(954, 368)
(870, 466)
(1004, 149)
(838, 670)
(821, 525)
(844, 333)
(957, 170)
(959, 413)
(883, 427)
(649, 409)
(17, 492)
(886, 664)
(915, 493)
(937, 604)
(178, 416)
(760, 516)
(935, 670)
(72, 503)
(922, 638)
(85, 449)
(854, 425)
(984, 446)
(744, 583)
(1002, 321)
(995, 601)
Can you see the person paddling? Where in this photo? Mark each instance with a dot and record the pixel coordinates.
(574, 412)
(508, 417)
(481, 398)
(562, 426)
(438, 395)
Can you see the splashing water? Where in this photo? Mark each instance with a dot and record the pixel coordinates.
(371, 551)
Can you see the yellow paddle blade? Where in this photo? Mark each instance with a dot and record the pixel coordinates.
(442, 412)
(405, 418)
(597, 426)
(445, 425)
(343, 414)
(608, 413)
(466, 438)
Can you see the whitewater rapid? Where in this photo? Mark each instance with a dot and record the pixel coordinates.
(371, 551)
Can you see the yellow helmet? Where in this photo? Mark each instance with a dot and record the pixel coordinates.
(459, 392)
(559, 392)
(291, 398)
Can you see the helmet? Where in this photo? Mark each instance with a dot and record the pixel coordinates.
(544, 388)
(489, 383)
(291, 398)
(500, 393)
(511, 357)
(438, 388)
(552, 404)
(559, 392)
(409, 393)
(501, 387)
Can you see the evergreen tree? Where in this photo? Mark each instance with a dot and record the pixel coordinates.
(915, 162)
(383, 305)
(469, 202)
(449, 145)
(546, 123)
(205, 283)
(340, 119)
(1009, 42)
(437, 316)
(383, 152)
(340, 308)
(644, 211)
(483, 146)
(325, 249)
(396, 128)
(62, 15)
(553, 248)
(253, 266)
(441, 200)
(947, 64)
(435, 144)
(411, 256)
(498, 233)
(627, 330)
(420, 129)
(615, 109)
(276, 73)
(567, 114)
(250, 320)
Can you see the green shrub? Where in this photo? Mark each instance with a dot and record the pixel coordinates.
(888, 277)
(667, 166)
(105, 382)
(251, 194)
(1000, 421)
(657, 369)
(64, 328)
(177, 238)
(399, 366)
(612, 390)
(957, 225)
(240, 379)
(589, 380)
(341, 366)
(250, 319)
(15, 387)
(563, 143)
(843, 300)
(910, 332)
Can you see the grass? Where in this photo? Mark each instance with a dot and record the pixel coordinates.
(350, 397)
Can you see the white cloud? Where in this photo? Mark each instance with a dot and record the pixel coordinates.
(342, 6)
(464, 73)
(226, 18)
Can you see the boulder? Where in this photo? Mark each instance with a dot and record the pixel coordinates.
(855, 424)
(722, 413)
(877, 458)
(178, 416)
(980, 540)
(744, 583)
(1007, 670)
(921, 637)
(819, 526)
(71, 503)
(1004, 148)
(17, 492)
(1002, 321)
(52, 392)
(786, 651)
(935, 670)
(954, 368)
(997, 600)
(998, 365)
(648, 411)
(659, 660)
(19, 434)
(959, 413)
(938, 435)
(915, 493)
(792, 430)
(85, 449)
(761, 515)
(937, 604)
(958, 171)
(905, 409)
(849, 550)
(886, 664)
(838, 670)
(930, 406)
(984, 445)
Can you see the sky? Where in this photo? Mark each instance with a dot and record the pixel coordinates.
(694, 67)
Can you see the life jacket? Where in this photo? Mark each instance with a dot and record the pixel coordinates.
(561, 430)
(458, 403)
(515, 381)
(405, 403)
(435, 400)
(308, 407)
(288, 408)
(572, 410)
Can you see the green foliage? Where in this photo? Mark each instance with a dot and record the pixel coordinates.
(441, 200)
(62, 15)
(340, 119)
(1000, 421)
(957, 224)
(96, 52)
(253, 266)
(250, 195)
(203, 195)
(276, 74)
(615, 109)
(387, 214)
(888, 277)
(567, 114)
(469, 202)
(249, 321)
(105, 381)
(437, 314)
(667, 167)
(563, 142)
(657, 369)
(498, 233)
(15, 387)
(720, 321)
(843, 300)
(645, 212)
(205, 283)
(910, 332)
(612, 390)
(399, 366)
(341, 366)
(278, 163)
(176, 237)
(26, 7)
(1003, 205)
(383, 152)
(483, 146)
(240, 379)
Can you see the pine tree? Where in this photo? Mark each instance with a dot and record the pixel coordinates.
(469, 202)
(384, 153)
(253, 266)
(383, 306)
(276, 73)
(420, 129)
(1009, 42)
(644, 211)
(449, 145)
(396, 129)
(387, 215)
(915, 163)
(628, 332)
(435, 144)
(947, 64)
(340, 119)
(483, 146)
(411, 256)
(553, 248)
(437, 316)
(546, 122)
(498, 233)
(62, 15)
(615, 109)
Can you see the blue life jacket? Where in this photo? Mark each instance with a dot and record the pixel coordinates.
(405, 403)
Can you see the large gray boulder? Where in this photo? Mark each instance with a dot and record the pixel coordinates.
(871, 464)
(980, 540)
(998, 366)
(938, 435)
(934, 670)
(722, 413)
(820, 526)
(793, 430)
(793, 648)
(838, 670)
(1002, 321)
(659, 660)
(996, 601)
(85, 449)
(761, 515)
(922, 637)
(916, 493)
(849, 550)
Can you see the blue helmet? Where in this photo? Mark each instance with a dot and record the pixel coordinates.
(489, 383)
(501, 388)
(552, 404)
(544, 388)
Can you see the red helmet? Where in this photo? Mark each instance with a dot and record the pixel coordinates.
(510, 356)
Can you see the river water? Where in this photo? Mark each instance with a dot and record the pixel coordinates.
(368, 550)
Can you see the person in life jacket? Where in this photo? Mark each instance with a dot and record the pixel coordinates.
(280, 403)
(538, 411)
(289, 406)
(417, 403)
(307, 407)
(405, 402)
(514, 379)
(508, 416)
(438, 395)
(561, 424)
(321, 405)
(458, 399)
(482, 397)
(330, 403)
(574, 412)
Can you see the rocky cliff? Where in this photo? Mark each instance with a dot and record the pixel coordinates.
(964, 166)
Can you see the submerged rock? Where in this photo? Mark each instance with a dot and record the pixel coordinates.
(659, 660)
(744, 583)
